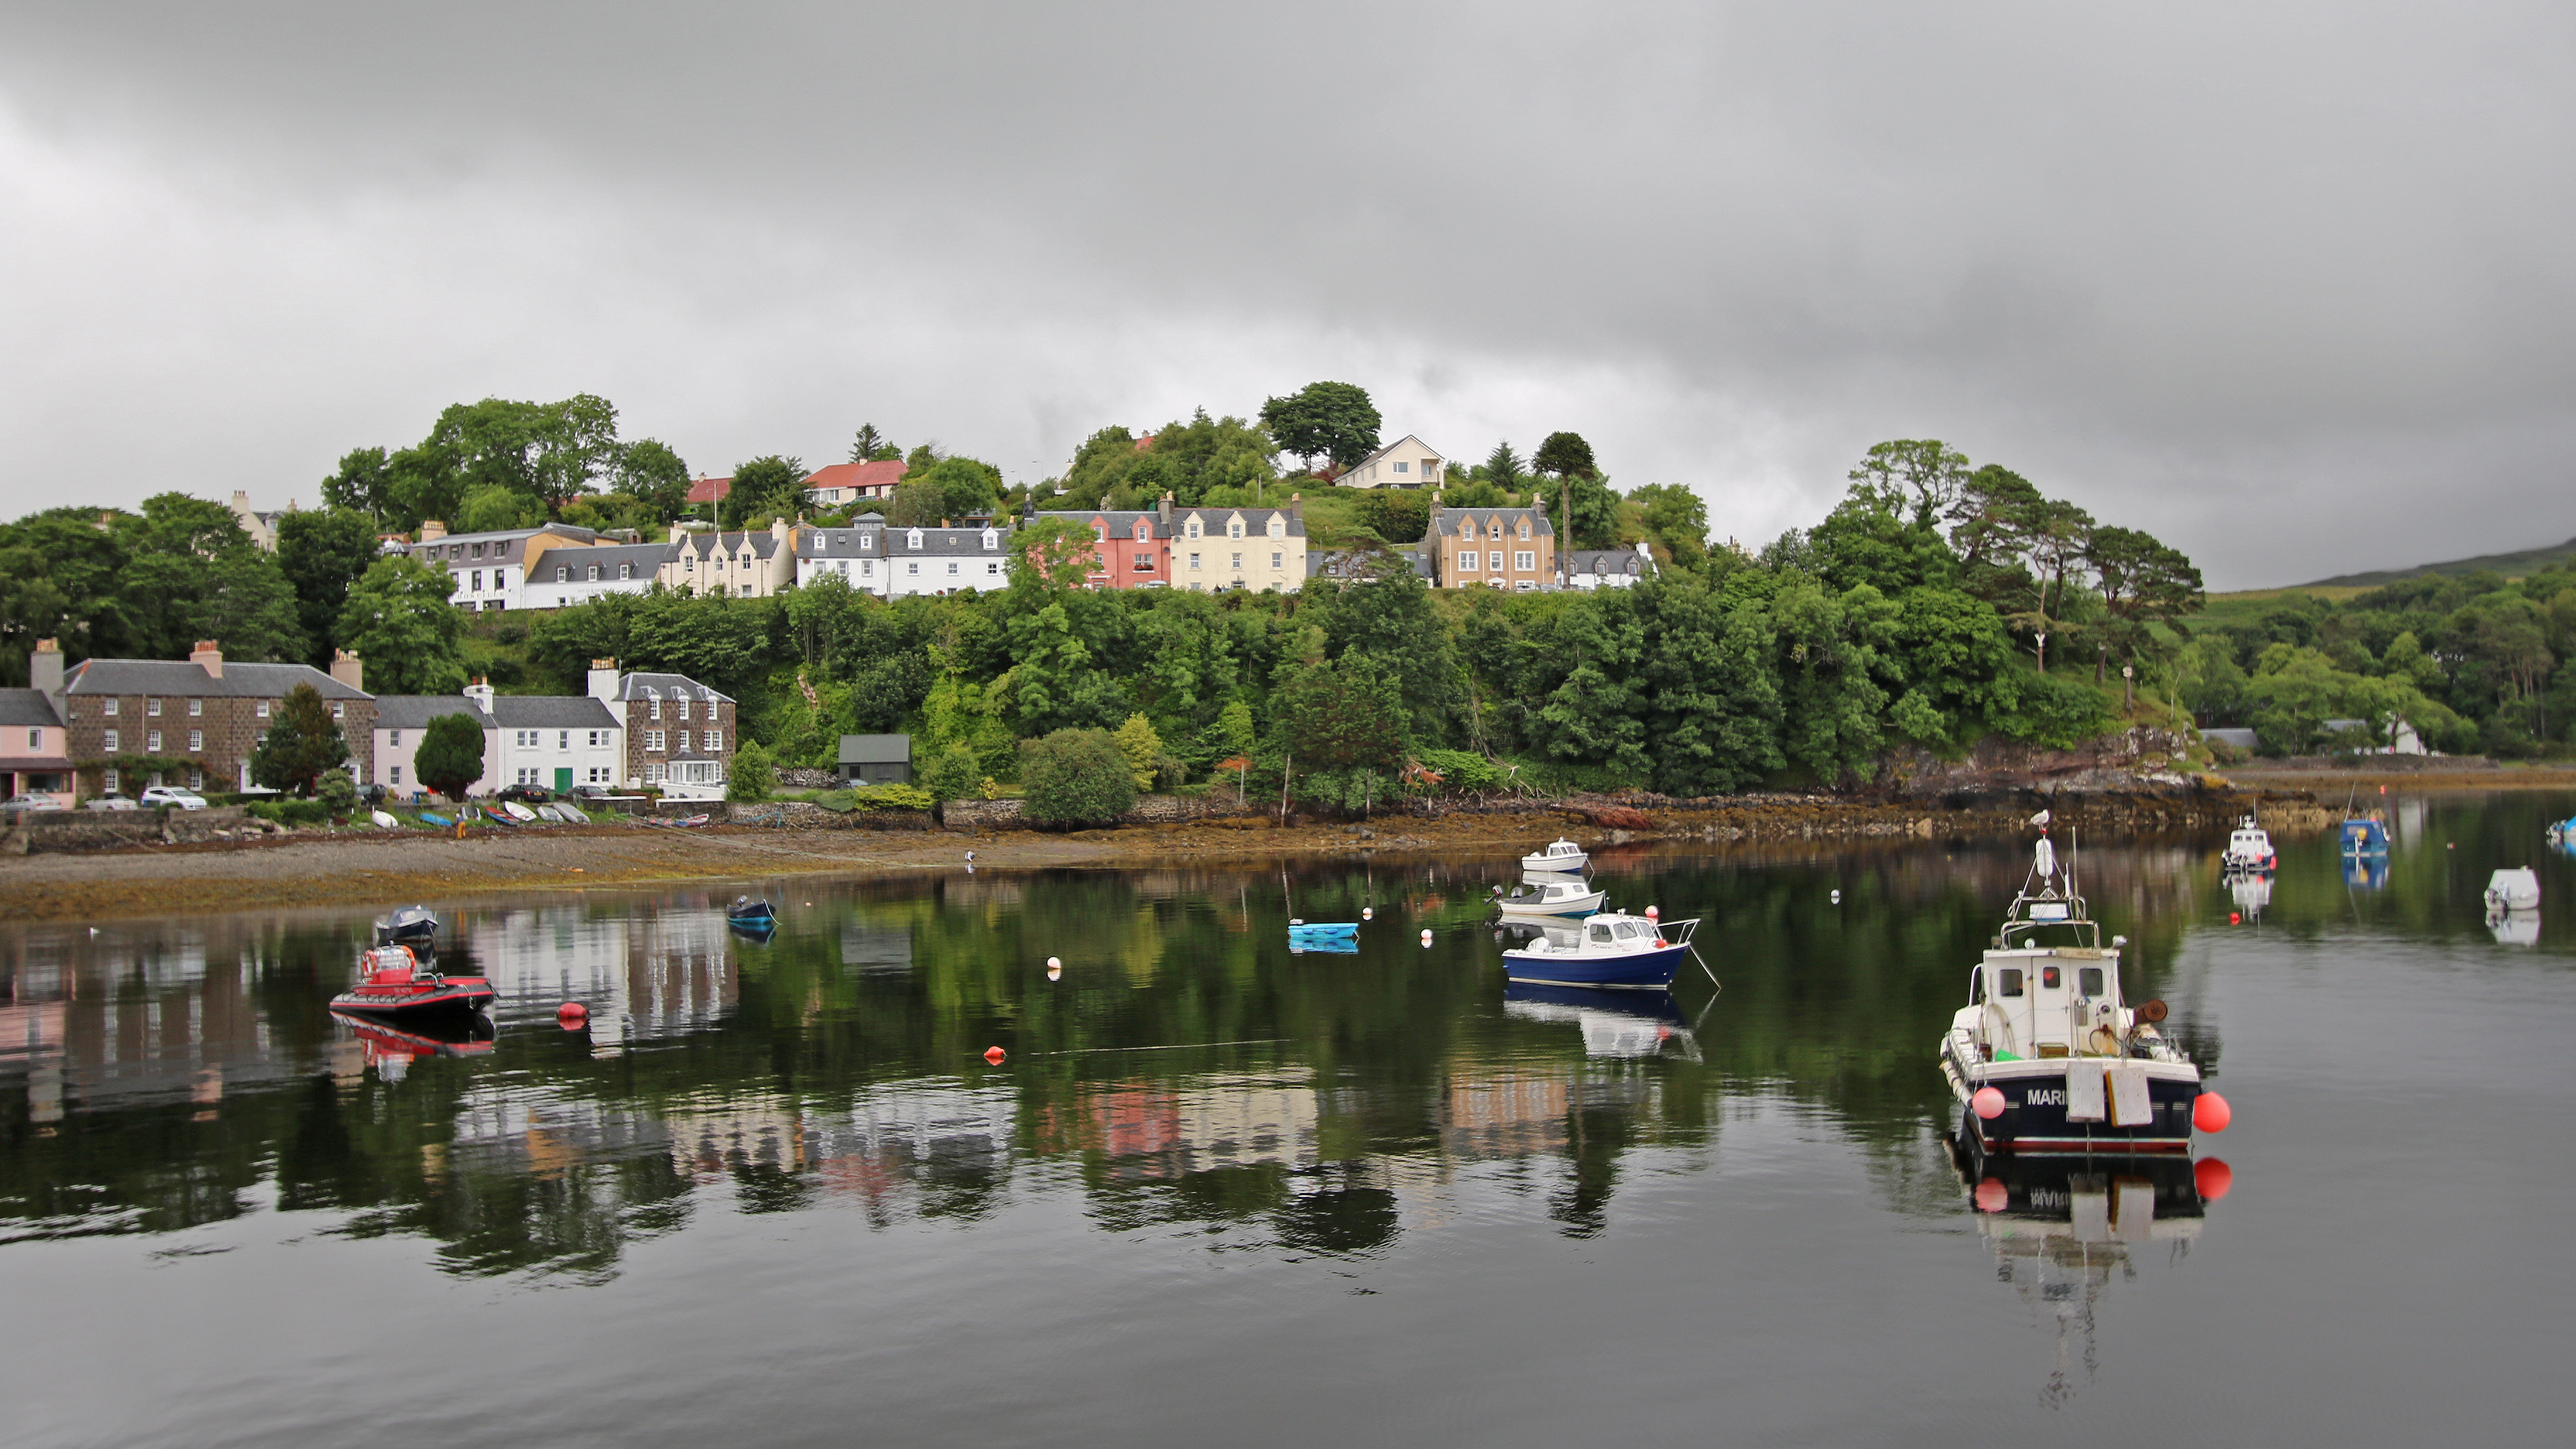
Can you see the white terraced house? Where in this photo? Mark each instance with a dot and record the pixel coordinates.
(490, 570)
(855, 554)
(554, 741)
(945, 560)
(565, 577)
(401, 720)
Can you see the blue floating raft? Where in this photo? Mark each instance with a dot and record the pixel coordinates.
(1321, 930)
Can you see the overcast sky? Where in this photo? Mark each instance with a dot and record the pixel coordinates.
(2291, 286)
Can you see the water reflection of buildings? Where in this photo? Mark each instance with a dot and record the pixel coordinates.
(1145, 1131)
(656, 973)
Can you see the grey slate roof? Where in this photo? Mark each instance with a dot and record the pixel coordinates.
(415, 711)
(761, 543)
(946, 543)
(177, 678)
(855, 542)
(552, 712)
(647, 558)
(27, 707)
(504, 546)
(1599, 561)
(665, 686)
(876, 749)
(1256, 521)
(1445, 521)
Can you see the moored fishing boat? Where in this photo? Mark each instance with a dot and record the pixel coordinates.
(1559, 855)
(2365, 835)
(2249, 848)
(748, 913)
(2515, 889)
(2048, 1057)
(1612, 950)
(407, 925)
(394, 983)
(1546, 894)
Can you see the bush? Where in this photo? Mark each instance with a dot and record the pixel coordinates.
(291, 812)
(1462, 772)
(1142, 747)
(1076, 777)
(892, 797)
(953, 773)
(753, 777)
(337, 792)
(269, 810)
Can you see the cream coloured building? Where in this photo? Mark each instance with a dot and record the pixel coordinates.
(1253, 549)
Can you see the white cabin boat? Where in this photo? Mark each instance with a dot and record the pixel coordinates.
(1545, 895)
(1560, 855)
(2249, 847)
(2517, 889)
(2048, 1056)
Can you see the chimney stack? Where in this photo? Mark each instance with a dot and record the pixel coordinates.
(431, 530)
(45, 668)
(1297, 506)
(603, 679)
(480, 691)
(1163, 507)
(346, 668)
(209, 657)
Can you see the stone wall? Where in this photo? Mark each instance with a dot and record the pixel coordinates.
(806, 777)
(63, 832)
(806, 815)
(1148, 810)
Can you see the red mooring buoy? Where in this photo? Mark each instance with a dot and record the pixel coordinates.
(572, 1015)
(1993, 1196)
(994, 1055)
(2212, 1178)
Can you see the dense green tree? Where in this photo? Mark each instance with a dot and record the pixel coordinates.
(1922, 477)
(362, 484)
(301, 743)
(322, 553)
(753, 776)
(1075, 777)
(1676, 517)
(551, 452)
(191, 573)
(1391, 619)
(871, 446)
(1564, 455)
(955, 487)
(654, 476)
(1327, 420)
(1594, 505)
(954, 773)
(399, 622)
(450, 757)
(769, 486)
(1504, 468)
(1402, 515)
(1338, 715)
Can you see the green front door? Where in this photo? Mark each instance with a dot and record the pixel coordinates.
(563, 779)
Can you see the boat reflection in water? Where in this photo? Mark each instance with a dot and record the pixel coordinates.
(2366, 871)
(2515, 928)
(392, 1049)
(2252, 893)
(2061, 1227)
(1614, 1023)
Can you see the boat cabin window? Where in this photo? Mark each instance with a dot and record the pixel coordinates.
(2088, 980)
(1601, 933)
(2048, 978)
(1624, 930)
(2011, 983)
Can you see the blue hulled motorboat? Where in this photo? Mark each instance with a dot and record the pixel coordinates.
(1613, 951)
(2364, 835)
(751, 916)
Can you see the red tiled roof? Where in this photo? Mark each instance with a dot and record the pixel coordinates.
(709, 490)
(857, 475)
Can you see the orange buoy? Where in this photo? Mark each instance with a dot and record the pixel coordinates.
(994, 1055)
(2210, 1114)
(1993, 1196)
(1987, 1103)
(2213, 1178)
(572, 1015)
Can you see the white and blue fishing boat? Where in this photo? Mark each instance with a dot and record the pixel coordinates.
(751, 916)
(2249, 849)
(1613, 951)
(2365, 835)
(1560, 854)
(2048, 1056)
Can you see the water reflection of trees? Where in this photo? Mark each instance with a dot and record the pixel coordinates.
(1186, 1068)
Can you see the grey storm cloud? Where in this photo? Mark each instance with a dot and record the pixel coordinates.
(2286, 284)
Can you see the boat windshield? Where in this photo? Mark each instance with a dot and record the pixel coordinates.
(1601, 934)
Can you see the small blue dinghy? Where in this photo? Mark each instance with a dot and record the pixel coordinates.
(1323, 930)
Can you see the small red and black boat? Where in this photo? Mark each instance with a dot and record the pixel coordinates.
(393, 983)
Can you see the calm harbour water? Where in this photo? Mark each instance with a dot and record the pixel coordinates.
(1223, 1191)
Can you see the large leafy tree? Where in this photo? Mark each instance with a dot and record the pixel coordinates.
(1924, 475)
(553, 452)
(322, 553)
(1333, 420)
(767, 486)
(450, 757)
(1505, 468)
(301, 743)
(1344, 714)
(2143, 582)
(1676, 517)
(1075, 777)
(397, 619)
(191, 573)
(1592, 505)
(655, 477)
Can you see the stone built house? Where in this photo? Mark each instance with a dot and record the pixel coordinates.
(1503, 548)
(134, 722)
(677, 731)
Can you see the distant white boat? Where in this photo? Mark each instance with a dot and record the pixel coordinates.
(1555, 895)
(549, 812)
(2517, 889)
(517, 811)
(2250, 848)
(384, 821)
(1562, 855)
(572, 812)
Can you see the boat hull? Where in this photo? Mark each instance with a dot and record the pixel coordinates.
(2034, 1119)
(455, 996)
(1626, 971)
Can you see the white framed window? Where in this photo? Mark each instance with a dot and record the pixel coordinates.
(339, 709)
(196, 707)
(152, 707)
(598, 775)
(1194, 558)
(562, 573)
(393, 738)
(107, 741)
(196, 740)
(152, 742)
(654, 773)
(682, 742)
(108, 708)
(625, 571)
(1469, 560)
(1525, 560)
(912, 568)
(196, 779)
(260, 709)
(952, 567)
(1234, 529)
(912, 539)
(527, 776)
(594, 575)
(107, 778)
(1275, 561)
(684, 709)
(714, 741)
(867, 568)
(993, 569)
(563, 739)
(35, 741)
(657, 709)
(1399, 465)
(477, 586)
(653, 741)
(394, 775)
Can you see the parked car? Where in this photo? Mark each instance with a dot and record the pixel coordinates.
(108, 802)
(373, 796)
(525, 794)
(183, 798)
(590, 794)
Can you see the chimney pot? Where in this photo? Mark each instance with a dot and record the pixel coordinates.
(45, 667)
(431, 529)
(349, 670)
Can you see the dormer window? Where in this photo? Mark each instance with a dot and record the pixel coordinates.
(626, 571)
(1140, 530)
(992, 539)
(562, 573)
(1524, 528)
(866, 541)
(594, 575)
(1234, 529)
(1277, 528)
(1194, 528)
(912, 539)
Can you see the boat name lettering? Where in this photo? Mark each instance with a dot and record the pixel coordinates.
(2045, 1097)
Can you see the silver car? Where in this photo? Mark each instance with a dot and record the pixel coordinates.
(160, 795)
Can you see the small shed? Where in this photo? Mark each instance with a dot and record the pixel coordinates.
(876, 759)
